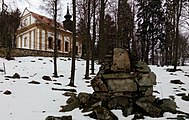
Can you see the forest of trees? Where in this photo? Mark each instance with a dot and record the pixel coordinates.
(151, 30)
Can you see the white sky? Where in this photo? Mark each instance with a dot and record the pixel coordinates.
(33, 5)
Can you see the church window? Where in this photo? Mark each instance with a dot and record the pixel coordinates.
(66, 46)
(59, 44)
(50, 43)
(25, 41)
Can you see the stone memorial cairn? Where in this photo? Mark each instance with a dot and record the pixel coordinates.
(121, 85)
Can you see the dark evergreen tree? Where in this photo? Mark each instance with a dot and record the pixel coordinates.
(173, 14)
(155, 27)
(101, 42)
(9, 22)
(82, 24)
(125, 25)
(169, 30)
(150, 27)
(109, 37)
(142, 31)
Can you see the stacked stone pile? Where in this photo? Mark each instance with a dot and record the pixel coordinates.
(117, 78)
(121, 85)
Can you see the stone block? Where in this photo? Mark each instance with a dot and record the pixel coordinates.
(98, 84)
(104, 114)
(148, 98)
(69, 117)
(121, 75)
(121, 85)
(141, 67)
(84, 97)
(127, 111)
(101, 95)
(147, 79)
(146, 91)
(168, 105)
(121, 101)
(121, 61)
(103, 88)
(149, 107)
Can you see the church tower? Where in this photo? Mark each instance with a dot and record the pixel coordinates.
(68, 23)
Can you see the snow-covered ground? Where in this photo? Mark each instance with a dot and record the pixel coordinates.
(37, 101)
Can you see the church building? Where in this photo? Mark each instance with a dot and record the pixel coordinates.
(36, 32)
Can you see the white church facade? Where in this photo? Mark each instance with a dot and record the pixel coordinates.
(36, 32)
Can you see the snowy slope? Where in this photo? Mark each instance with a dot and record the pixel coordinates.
(37, 101)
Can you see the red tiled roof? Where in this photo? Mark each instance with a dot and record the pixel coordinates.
(45, 20)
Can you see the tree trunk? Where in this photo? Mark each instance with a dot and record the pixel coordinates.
(9, 47)
(166, 56)
(153, 48)
(101, 46)
(55, 40)
(133, 46)
(73, 46)
(88, 42)
(147, 50)
(178, 14)
(94, 38)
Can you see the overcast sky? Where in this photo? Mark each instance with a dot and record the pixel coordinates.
(34, 5)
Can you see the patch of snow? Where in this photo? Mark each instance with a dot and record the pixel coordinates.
(37, 101)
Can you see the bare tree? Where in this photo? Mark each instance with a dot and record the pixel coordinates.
(55, 39)
(84, 28)
(53, 9)
(73, 46)
(94, 38)
(179, 5)
(88, 40)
